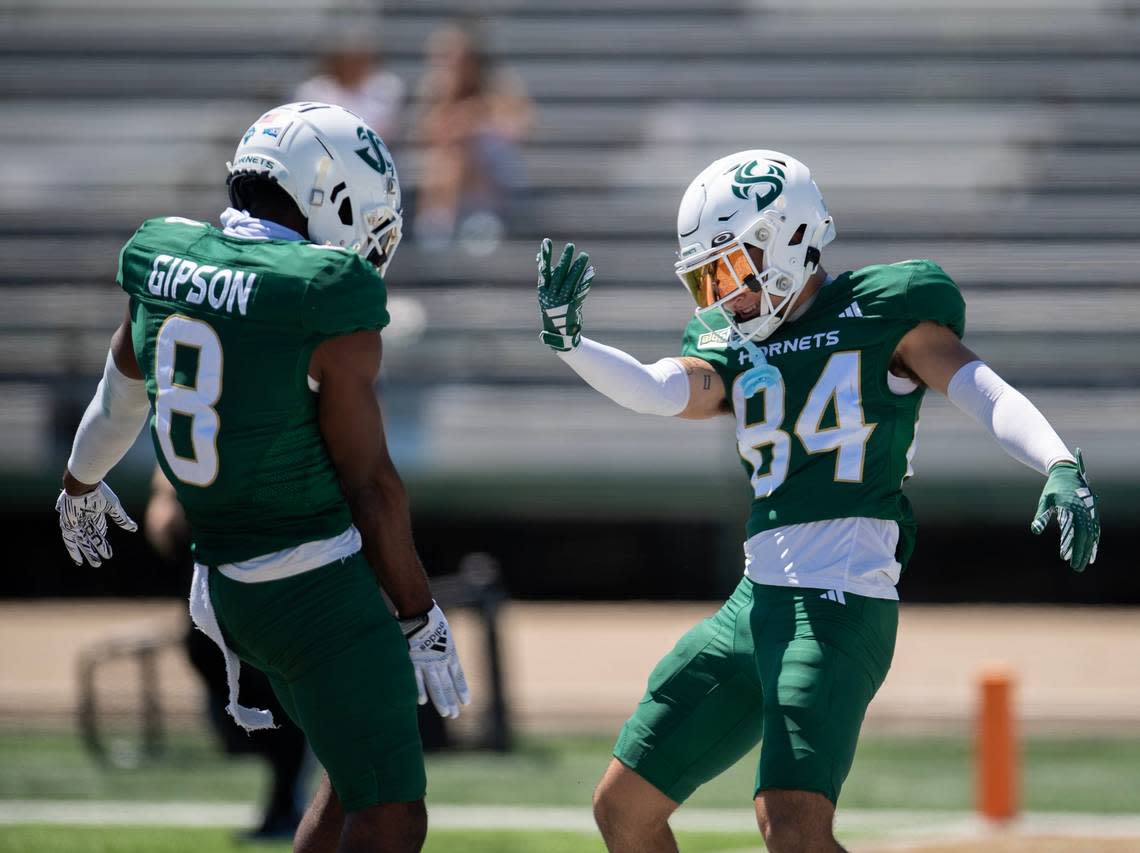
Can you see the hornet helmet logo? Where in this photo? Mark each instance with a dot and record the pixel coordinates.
(744, 179)
(371, 153)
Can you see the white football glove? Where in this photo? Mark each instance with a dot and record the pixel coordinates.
(438, 671)
(83, 523)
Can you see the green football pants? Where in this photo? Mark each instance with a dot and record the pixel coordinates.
(793, 667)
(339, 665)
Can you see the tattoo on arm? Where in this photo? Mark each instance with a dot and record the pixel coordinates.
(706, 387)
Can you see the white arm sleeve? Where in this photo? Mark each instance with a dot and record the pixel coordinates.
(1018, 426)
(661, 388)
(110, 425)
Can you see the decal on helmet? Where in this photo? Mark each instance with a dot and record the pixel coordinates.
(722, 238)
(372, 152)
(254, 163)
(744, 179)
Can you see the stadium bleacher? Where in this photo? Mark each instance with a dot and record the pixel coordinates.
(1000, 138)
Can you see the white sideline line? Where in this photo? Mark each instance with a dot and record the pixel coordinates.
(121, 813)
(892, 822)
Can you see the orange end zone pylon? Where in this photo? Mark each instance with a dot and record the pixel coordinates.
(997, 754)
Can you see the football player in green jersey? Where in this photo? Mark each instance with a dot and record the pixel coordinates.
(253, 351)
(824, 377)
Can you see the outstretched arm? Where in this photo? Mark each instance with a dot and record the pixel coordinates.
(352, 426)
(683, 387)
(941, 361)
(936, 357)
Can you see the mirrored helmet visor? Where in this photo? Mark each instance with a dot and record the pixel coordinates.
(718, 278)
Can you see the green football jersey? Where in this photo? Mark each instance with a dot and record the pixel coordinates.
(223, 329)
(831, 439)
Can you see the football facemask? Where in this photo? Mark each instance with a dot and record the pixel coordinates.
(722, 280)
(385, 229)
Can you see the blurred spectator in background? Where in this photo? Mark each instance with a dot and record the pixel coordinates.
(472, 118)
(352, 75)
(284, 747)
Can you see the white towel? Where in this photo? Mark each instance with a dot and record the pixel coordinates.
(238, 223)
(202, 612)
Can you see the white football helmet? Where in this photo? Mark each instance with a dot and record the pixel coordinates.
(336, 169)
(757, 198)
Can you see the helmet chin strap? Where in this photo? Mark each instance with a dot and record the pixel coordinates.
(818, 241)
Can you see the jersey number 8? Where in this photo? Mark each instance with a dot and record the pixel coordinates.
(185, 412)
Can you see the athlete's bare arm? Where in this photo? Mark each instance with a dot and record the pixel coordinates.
(707, 397)
(353, 429)
(932, 354)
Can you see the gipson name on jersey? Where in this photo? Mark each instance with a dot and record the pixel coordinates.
(221, 287)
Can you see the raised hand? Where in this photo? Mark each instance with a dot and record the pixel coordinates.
(562, 291)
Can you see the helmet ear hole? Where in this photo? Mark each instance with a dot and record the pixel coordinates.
(798, 237)
(345, 211)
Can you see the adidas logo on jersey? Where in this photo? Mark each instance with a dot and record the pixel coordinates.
(852, 310)
(835, 595)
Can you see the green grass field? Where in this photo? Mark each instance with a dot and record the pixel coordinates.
(1059, 774)
(39, 839)
(1100, 775)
